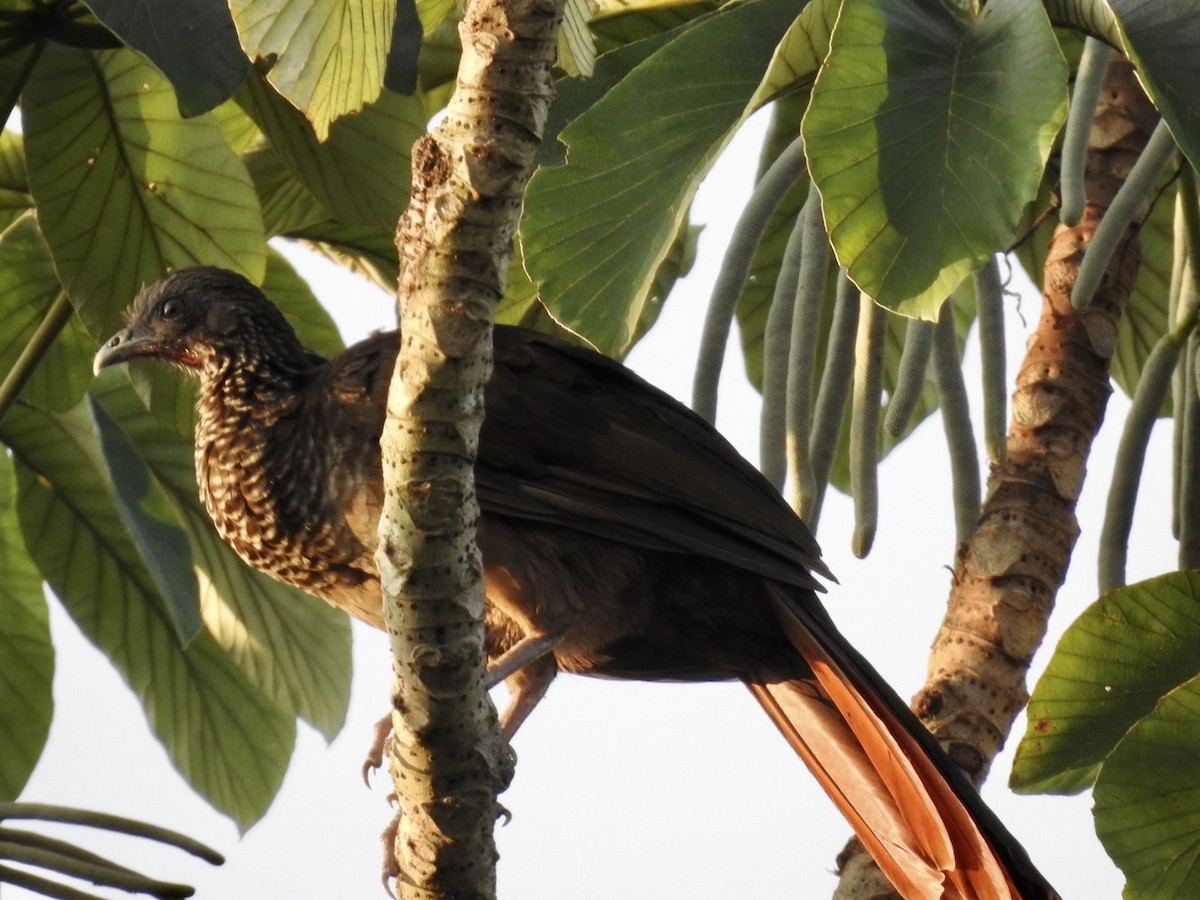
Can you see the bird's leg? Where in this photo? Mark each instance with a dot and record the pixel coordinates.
(526, 687)
(530, 648)
(527, 668)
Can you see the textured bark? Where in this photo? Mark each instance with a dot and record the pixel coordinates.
(447, 757)
(1009, 571)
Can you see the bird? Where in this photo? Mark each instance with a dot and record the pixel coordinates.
(621, 535)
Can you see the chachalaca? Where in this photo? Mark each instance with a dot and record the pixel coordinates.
(621, 536)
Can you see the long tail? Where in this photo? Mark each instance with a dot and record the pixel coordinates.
(923, 823)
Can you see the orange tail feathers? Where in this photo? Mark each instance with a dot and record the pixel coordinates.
(918, 817)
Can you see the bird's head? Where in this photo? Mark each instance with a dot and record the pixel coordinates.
(198, 319)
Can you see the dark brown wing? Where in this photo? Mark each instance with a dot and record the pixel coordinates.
(574, 439)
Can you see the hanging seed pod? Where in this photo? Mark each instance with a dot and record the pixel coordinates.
(864, 423)
(910, 376)
(777, 354)
(989, 303)
(1093, 63)
(787, 169)
(956, 420)
(806, 328)
(836, 379)
(1125, 205)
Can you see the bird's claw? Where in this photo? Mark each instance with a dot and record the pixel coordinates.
(379, 747)
(391, 869)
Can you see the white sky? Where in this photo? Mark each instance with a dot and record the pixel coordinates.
(622, 790)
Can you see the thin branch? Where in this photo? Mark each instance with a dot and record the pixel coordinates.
(448, 758)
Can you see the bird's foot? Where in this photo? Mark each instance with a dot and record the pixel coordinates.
(391, 869)
(378, 749)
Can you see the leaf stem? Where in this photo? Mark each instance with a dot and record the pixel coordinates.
(35, 349)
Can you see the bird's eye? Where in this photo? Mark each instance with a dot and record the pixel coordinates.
(171, 308)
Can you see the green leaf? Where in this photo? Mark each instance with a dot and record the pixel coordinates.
(1161, 38)
(597, 229)
(329, 56)
(362, 174)
(574, 96)
(619, 23)
(1147, 800)
(151, 523)
(1110, 668)
(576, 45)
(802, 50)
(28, 671)
(287, 205)
(402, 67)
(223, 735)
(193, 43)
(28, 289)
(927, 136)
(125, 188)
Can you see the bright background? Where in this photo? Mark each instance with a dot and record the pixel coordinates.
(622, 789)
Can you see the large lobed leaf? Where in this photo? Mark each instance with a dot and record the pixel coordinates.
(27, 673)
(1161, 38)
(193, 43)
(1119, 705)
(361, 170)
(125, 188)
(226, 738)
(1111, 667)
(597, 229)
(927, 135)
(150, 521)
(329, 57)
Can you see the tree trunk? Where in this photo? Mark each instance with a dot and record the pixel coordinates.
(448, 759)
(1009, 571)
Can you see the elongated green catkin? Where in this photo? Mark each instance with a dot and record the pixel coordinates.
(864, 423)
(1125, 205)
(1093, 63)
(1148, 399)
(989, 303)
(910, 376)
(956, 421)
(806, 329)
(836, 379)
(787, 169)
(777, 352)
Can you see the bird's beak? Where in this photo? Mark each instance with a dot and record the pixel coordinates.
(128, 343)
